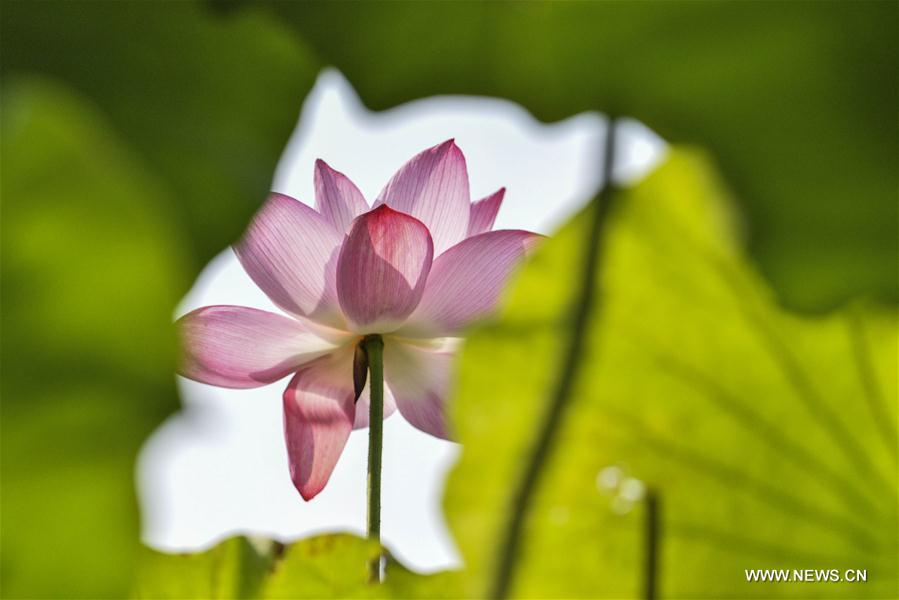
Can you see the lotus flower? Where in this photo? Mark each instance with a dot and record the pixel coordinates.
(416, 269)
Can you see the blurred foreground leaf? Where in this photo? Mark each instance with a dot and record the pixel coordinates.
(137, 138)
(769, 439)
(208, 99)
(92, 264)
(327, 566)
(796, 100)
(235, 568)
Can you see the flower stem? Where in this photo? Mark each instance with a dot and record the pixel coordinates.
(651, 569)
(374, 348)
(586, 304)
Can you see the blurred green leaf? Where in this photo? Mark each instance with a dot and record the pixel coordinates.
(92, 263)
(136, 140)
(327, 566)
(334, 566)
(770, 439)
(235, 568)
(208, 99)
(796, 100)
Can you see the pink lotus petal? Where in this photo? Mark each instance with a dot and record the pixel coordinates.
(382, 269)
(433, 187)
(290, 251)
(336, 197)
(239, 347)
(484, 211)
(318, 417)
(362, 406)
(465, 282)
(418, 378)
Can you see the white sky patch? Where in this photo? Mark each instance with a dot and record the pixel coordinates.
(219, 467)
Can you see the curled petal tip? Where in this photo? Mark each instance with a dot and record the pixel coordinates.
(337, 198)
(384, 209)
(308, 492)
(484, 212)
(322, 165)
(451, 146)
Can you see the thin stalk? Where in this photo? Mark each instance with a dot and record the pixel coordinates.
(374, 348)
(568, 372)
(651, 568)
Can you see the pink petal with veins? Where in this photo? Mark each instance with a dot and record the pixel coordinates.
(382, 269)
(465, 282)
(336, 197)
(418, 379)
(484, 211)
(318, 417)
(239, 347)
(290, 251)
(433, 187)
